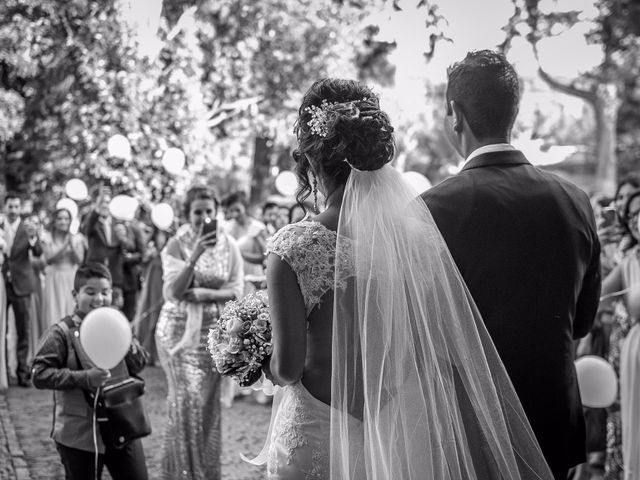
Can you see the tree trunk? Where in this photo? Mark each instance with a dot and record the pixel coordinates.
(606, 109)
(261, 169)
(606, 104)
(3, 177)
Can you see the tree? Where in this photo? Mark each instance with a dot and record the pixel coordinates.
(76, 69)
(615, 27)
(226, 73)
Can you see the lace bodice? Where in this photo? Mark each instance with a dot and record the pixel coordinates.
(309, 248)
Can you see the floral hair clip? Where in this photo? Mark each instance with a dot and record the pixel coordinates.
(320, 117)
(318, 122)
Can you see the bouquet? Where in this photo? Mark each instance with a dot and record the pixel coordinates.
(240, 341)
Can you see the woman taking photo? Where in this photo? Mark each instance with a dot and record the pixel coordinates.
(202, 270)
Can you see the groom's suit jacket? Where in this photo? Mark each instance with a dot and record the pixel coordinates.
(525, 242)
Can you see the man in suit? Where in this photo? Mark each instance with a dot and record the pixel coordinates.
(118, 245)
(133, 250)
(20, 281)
(525, 242)
(104, 243)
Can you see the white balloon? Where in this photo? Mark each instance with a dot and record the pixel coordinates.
(418, 181)
(287, 182)
(173, 160)
(70, 205)
(105, 335)
(119, 147)
(76, 189)
(123, 207)
(597, 381)
(162, 216)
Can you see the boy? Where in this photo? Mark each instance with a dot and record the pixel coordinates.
(57, 366)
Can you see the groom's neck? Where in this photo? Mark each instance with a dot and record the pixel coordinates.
(473, 144)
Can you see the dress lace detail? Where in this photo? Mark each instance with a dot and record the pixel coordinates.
(300, 445)
(309, 248)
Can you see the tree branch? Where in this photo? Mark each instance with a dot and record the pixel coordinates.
(569, 89)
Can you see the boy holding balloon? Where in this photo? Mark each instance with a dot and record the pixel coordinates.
(60, 364)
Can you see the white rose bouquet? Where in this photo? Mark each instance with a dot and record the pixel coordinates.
(240, 342)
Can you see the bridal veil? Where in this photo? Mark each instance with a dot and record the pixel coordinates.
(418, 389)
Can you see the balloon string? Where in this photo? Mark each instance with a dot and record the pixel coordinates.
(95, 433)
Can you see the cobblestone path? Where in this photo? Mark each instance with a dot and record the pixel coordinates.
(27, 452)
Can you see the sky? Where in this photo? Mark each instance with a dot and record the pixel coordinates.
(471, 25)
(475, 25)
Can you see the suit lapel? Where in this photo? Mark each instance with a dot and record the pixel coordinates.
(19, 238)
(101, 233)
(491, 159)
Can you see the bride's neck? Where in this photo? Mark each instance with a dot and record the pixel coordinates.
(334, 198)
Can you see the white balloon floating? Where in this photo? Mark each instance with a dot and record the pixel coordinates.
(76, 189)
(173, 160)
(69, 205)
(286, 183)
(597, 381)
(105, 335)
(123, 207)
(418, 181)
(162, 216)
(119, 147)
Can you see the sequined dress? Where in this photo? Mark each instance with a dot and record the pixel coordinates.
(191, 440)
(299, 444)
(622, 324)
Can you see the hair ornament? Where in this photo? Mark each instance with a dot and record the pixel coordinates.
(320, 115)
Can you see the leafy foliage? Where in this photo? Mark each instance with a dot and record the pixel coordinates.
(71, 75)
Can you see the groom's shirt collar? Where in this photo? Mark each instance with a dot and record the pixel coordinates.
(494, 147)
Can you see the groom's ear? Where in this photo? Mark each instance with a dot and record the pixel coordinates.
(458, 118)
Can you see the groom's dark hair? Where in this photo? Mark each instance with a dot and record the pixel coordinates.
(485, 87)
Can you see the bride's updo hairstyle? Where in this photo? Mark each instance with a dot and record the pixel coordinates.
(340, 125)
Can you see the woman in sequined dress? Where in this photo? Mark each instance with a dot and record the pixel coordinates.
(625, 277)
(201, 273)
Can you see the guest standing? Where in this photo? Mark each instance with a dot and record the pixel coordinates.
(201, 273)
(616, 238)
(62, 365)
(623, 346)
(105, 243)
(250, 234)
(4, 376)
(63, 252)
(133, 248)
(151, 299)
(270, 216)
(37, 327)
(22, 241)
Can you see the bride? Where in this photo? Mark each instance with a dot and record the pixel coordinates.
(386, 368)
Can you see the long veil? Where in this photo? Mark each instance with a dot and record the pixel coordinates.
(418, 389)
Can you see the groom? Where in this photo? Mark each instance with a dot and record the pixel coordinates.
(525, 242)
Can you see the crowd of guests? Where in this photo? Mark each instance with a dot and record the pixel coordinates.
(152, 272)
(168, 284)
(612, 437)
(40, 253)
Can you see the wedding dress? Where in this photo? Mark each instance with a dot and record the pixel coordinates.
(298, 444)
(417, 388)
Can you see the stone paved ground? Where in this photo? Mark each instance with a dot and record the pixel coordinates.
(27, 452)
